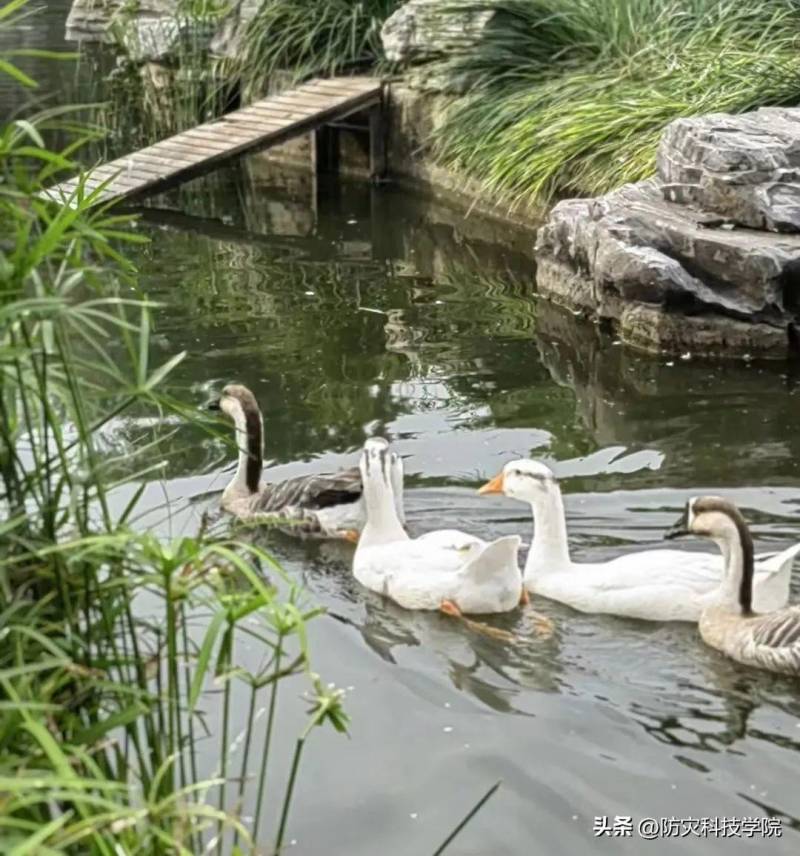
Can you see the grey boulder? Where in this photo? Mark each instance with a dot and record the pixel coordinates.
(427, 29)
(745, 168)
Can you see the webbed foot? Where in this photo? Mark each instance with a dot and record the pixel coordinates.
(450, 608)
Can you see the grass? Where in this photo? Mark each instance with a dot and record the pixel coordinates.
(287, 41)
(569, 97)
(113, 638)
(305, 38)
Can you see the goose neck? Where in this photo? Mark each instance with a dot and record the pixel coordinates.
(736, 589)
(249, 433)
(382, 522)
(549, 551)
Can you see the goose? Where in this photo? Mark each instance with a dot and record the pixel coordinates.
(770, 641)
(318, 505)
(445, 570)
(653, 585)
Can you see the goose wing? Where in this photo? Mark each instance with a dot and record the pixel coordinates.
(320, 490)
(779, 630)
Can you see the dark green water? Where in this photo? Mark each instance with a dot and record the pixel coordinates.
(351, 312)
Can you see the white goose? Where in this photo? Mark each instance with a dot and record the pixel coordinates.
(447, 570)
(770, 641)
(655, 585)
(321, 505)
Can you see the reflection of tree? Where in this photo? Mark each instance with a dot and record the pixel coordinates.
(717, 422)
(330, 338)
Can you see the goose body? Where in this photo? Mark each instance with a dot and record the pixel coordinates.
(326, 505)
(767, 641)
(446, 568)
(652, 585)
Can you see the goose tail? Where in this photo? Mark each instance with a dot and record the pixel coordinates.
(495, 558)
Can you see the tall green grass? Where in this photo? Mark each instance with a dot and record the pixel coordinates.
(571, 96)
(111, 638)
(305, 38)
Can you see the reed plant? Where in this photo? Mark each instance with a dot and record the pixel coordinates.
(570, 96)
(111, 638)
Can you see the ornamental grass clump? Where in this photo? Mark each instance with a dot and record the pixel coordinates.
(570, 98)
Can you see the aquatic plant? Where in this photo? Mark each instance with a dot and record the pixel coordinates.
(570, 96)
(111, 636)
(304, 38)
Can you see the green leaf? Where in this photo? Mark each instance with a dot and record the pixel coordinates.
(120, 719)
(11, 7)
(204, 658)
(31, 131)
(33, 844)
(13, 72)
(162, 371)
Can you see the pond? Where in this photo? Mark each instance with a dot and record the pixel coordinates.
(352, 311)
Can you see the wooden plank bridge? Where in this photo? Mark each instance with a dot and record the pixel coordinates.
(261, 125)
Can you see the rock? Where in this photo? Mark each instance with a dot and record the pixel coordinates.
(426, 29)
(745, 168)
(227, 42)
(666, 279)
(163, 39)
(91, 20)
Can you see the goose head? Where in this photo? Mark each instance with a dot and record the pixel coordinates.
(376, 463)
(239, 404)
(525, 480)
(381, 473)
(236, 402)
(721, 521)
(709, 517)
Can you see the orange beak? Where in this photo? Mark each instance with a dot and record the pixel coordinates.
(493, 486)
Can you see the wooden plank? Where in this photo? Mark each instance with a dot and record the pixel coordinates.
(177, 146)
(253, 117)
(337, 91)
(267, 122)
(256, 124)
(285, 116)
(312, 103)
(150, 158)
(359, 84)
(334, 86)
(217, 143)
(211, 143)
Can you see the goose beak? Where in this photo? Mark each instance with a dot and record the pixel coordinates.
(493, 486)
(678, 529)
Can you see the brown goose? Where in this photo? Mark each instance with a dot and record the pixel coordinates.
(318, 505)
(768, 641)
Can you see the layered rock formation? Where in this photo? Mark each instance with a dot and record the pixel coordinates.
(706, 257)
(422, 30)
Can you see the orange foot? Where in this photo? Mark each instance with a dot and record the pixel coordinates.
(449, 608)
(524, 598)
(350, 535)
